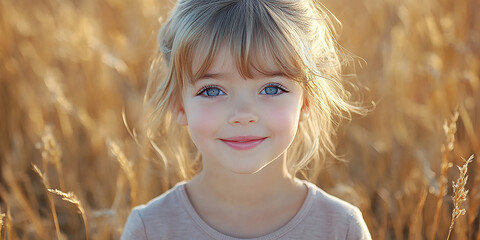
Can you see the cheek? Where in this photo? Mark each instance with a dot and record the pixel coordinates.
(283, 118)
(203, 120)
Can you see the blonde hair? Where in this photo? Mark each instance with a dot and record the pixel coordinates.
(297, 34)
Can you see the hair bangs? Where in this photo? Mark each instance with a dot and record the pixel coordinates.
(251, 32)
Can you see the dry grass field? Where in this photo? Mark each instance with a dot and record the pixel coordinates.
(73, 74)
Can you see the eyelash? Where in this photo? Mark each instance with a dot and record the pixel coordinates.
(204, 89)
(276, 85)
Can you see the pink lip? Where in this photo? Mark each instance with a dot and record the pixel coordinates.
(243, 142)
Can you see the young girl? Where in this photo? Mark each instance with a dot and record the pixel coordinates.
(250, 99)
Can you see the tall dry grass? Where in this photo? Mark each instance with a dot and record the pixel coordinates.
(69, 69)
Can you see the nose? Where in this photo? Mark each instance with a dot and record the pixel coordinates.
(243, 114)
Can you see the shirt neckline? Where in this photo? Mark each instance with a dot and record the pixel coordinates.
(207, 229)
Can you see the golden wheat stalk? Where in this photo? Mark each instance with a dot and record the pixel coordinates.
(2, 215)
(449, 129)
(8, 223)
(416, 231)
(126, 166)
(72, 198)
(460, 194)
(22, 200)
(51, 154)
(45, 182)
(476, 184)
(5, 225)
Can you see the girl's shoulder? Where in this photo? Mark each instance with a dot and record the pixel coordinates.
(335, 215)
(158, 216)
(169, 205)
(170, 198)
(321, 199)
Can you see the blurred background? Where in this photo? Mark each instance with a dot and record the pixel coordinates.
(73, 74)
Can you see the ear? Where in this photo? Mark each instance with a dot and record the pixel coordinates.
(181, 116)
(305, 110)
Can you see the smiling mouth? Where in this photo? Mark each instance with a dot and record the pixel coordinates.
(243, 142)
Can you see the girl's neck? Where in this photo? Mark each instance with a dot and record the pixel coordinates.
(238, 190)
(247, 206)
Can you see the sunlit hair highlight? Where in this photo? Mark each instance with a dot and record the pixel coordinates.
(296, 34)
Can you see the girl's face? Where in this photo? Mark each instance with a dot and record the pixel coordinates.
(241, 125)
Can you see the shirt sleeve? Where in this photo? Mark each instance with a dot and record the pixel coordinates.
(134, 228)
(357, 229)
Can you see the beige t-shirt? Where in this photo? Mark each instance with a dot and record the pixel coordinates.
(172, 216)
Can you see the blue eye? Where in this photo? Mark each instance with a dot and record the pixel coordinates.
(211, 92)
(270, 90)
(273, 90)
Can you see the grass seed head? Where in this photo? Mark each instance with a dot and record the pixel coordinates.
(460, 193)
